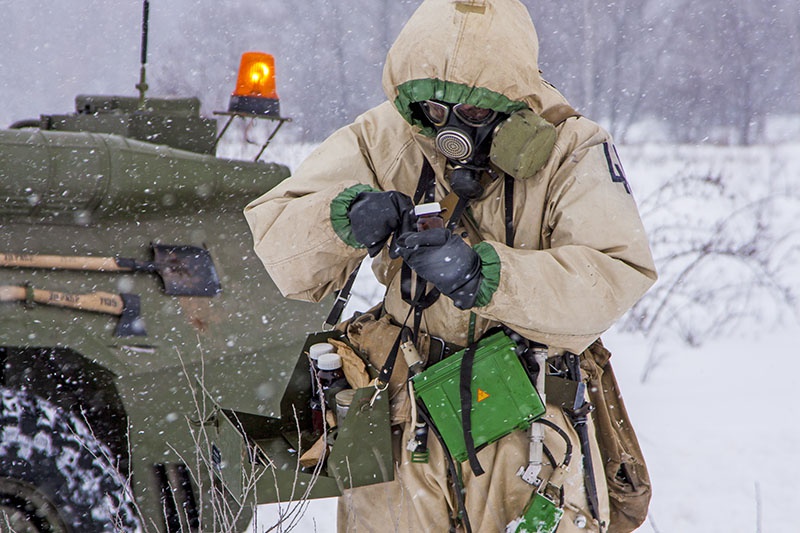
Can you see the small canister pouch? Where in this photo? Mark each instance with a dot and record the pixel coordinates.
(503, 397)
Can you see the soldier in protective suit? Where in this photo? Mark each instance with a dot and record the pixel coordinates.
(548, 241)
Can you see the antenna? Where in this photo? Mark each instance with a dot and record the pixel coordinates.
(142, 85)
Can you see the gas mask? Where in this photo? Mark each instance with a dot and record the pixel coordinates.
(463, 136)
(470, 137)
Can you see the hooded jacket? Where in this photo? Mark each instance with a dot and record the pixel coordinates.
(580, 257)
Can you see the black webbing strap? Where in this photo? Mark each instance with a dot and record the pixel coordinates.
(426, 186)
(509, 206)
(342, 297)
(388, 366)
(465, 392)
(454, 478)
(578, 417)
(420, 300)
(418, 303)
(458, 211)
(467, 362)
(579, 422)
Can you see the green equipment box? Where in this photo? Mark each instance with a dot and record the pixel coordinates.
(503, 397)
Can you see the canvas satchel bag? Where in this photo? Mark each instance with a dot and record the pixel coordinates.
(373, 335)
(626, 472)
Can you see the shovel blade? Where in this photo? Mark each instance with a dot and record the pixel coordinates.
(186, 270)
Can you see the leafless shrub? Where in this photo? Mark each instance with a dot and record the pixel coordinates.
(726, 258)
(227, 510)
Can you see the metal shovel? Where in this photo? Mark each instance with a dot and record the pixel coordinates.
(185, 270)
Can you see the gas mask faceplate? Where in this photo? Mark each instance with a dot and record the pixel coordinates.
(470, 137)
(461, 130)
(463, 136)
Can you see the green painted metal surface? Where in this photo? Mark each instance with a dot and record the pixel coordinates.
(360, 447)
(95, 193)
(541, 516)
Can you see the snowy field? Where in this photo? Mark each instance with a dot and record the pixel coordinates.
(707, 366)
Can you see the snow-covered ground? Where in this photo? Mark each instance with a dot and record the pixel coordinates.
(714, 415)
(717, 429)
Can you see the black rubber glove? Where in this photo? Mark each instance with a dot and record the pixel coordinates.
(376, 216)
(445, 260)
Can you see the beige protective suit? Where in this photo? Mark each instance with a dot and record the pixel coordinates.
(579, 260)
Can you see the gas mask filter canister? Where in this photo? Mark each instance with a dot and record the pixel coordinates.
(522, 144)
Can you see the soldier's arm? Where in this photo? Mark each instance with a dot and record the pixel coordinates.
(292, 227)
(596, 265)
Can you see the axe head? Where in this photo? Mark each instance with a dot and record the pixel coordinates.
(130, 322)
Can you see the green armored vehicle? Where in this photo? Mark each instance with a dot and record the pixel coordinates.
(132, 309)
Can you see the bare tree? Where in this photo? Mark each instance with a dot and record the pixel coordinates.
(719, 269)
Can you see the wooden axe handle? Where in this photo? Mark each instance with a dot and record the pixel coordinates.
(61, 262)
(99, 302)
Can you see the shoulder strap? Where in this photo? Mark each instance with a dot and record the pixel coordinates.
(426, 185)
(557, 114)
(342, 297)
(509, 208)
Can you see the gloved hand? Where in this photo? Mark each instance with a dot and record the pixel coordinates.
(376, 216)
(446, 261)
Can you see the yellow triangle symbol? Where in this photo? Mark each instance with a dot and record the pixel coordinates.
(482, 395)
